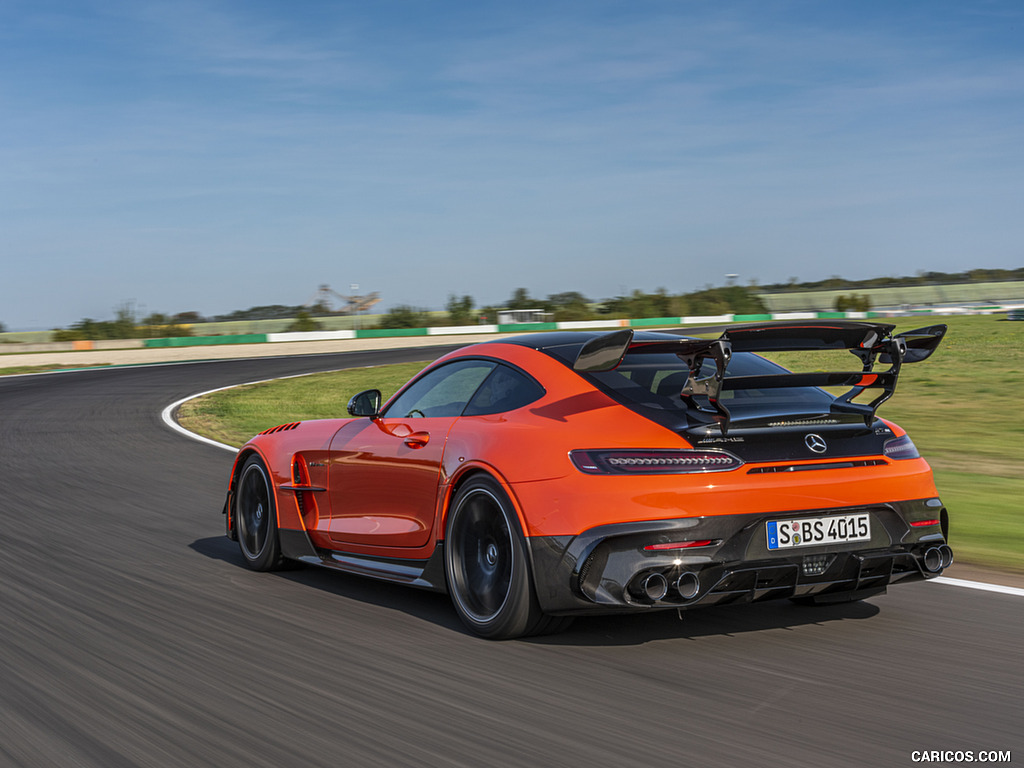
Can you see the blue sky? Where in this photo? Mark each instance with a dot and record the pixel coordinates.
(217, 155)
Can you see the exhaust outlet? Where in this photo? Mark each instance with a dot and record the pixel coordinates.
(653, 587)
(687, 585)
(947, 555)
(933, 560)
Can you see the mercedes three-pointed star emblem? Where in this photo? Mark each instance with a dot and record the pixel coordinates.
(816, 443)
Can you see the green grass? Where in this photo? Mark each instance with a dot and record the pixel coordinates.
(961, 407)
(235, 415)
(20, 369)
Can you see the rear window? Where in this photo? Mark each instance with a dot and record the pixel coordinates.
(504, 390)
(656, 380)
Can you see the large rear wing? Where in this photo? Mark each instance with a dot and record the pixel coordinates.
(871, 342)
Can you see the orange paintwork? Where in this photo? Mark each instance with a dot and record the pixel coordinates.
(390, 480)
(384, 476)
(567, 508)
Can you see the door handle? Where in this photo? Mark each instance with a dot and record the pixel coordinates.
(417, 439)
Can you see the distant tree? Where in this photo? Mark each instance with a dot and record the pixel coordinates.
(570, 305)
(460, 310)
(3, 328)
(567, 299)
(125, 325)
(640, 304)
(980, 275)
(187, 318)
(521, 300)
(405, 316)
(853, 303)
(268, 312)
(303, 322)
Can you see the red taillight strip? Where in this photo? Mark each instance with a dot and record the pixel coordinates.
(817, 466)
(681, 545)
(625, 461)
(924, 523)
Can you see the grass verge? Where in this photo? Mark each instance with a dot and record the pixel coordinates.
(21, 369)
(234, 415)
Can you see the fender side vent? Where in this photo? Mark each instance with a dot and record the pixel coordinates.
(281, 428)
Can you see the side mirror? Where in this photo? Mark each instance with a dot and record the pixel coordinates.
(366, 403)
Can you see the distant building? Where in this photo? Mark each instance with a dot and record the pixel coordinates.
(513, 316)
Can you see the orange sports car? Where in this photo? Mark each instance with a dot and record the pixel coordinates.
(538, 477)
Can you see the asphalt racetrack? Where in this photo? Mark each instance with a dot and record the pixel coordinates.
(131, 633)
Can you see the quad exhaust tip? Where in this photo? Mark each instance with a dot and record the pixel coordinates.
(937, 558)
(654, 586)
(687, 585)
(947, 556)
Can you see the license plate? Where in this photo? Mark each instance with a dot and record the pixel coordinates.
(812, 531)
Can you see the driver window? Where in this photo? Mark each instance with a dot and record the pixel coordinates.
(442, 392)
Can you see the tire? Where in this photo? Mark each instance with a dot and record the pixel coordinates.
(256, 517)
(487, 567)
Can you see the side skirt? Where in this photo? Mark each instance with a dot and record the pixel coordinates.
(424, 574)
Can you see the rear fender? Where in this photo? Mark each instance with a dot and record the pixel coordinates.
(466, 472)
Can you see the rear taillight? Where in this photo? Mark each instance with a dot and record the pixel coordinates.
(653, 462)
(900, 448)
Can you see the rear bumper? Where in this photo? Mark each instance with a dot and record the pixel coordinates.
(607, 569)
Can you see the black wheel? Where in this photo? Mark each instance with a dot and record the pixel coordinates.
(487, 567)
(256, 517)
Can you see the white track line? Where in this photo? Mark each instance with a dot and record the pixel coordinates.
(167, 414)
(1015, 591)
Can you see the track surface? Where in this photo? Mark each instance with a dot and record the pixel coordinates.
(131, 634)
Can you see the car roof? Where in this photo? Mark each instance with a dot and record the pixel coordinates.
(566, 345)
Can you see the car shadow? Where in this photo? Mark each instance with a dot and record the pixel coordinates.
(433, 607)
(611, 630)
(715, 621)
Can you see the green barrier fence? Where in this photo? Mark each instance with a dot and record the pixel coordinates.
(200, 341)
(641, 322)
(378, 333)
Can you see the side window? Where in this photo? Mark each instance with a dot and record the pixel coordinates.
(442, 392)
(505, 390)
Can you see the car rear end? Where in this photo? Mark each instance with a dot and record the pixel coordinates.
(788, 496)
